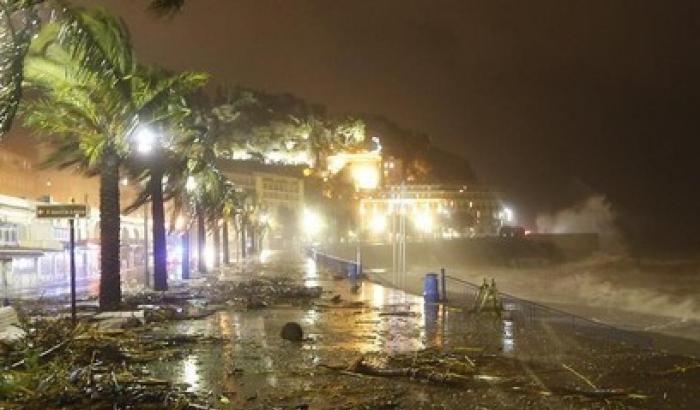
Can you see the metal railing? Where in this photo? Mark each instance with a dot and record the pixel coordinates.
(462, 292)
(352, 269)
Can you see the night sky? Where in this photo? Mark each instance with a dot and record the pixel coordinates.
(550, 101)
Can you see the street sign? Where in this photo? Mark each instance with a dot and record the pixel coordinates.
(61, 211)
(70, 212)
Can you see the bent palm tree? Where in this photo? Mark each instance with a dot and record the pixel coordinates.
(93, 94)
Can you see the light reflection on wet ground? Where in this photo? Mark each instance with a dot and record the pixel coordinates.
(254, 357)
(254, 368)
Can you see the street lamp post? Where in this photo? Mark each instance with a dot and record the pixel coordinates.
(225, 240)
(185, 244)
(147, 145)
(201, 241)
(147, 271)
(160, 251)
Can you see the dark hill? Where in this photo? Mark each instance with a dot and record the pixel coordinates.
(424, 161)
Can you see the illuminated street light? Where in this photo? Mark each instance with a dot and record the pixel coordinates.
(507, 215)
(180, 222)
(145, 140)
(312, 223)
(191, 184)
(378, 223)
(423, 221)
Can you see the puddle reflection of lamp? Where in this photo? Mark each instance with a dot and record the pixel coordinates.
(508, 340)
(190, 372)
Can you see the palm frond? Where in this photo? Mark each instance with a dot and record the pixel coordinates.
(14, 43)
(101, 46)
(162, 97)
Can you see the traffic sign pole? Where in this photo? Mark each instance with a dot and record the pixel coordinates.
(73, 314)
(71, 212)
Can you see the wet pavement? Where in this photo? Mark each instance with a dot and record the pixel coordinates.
(255, 368)
(255, 355)
(660, 302)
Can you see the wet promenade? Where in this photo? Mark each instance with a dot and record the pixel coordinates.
(255, 368)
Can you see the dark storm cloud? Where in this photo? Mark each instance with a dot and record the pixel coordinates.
(550, 100)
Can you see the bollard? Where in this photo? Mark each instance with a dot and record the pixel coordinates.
(444, 285)
(430, 288)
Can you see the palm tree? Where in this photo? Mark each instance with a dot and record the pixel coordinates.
(193, 179)
(167, 120)
(222, 205)
(93, 94)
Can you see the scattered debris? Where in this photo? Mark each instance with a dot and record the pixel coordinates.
(56, 364)
(200, 301)
(415, 373)
(451, 369)
(10, 332)
(400, 313)
(580, 376)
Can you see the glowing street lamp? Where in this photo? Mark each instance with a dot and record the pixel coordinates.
(145, 140)
(180, 222)
(507, 215)
(423, 220)
(311, 223)
(190, 184)
(377, 223)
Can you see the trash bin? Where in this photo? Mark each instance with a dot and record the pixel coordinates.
(352, 271)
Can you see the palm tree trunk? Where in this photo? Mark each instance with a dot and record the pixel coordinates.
(253, 240)
(201, 242)
(236, 241)
(236, 246)
(160, 246)
(227, 256)
(243, 228)
(185, 243)
(110, 282)
(217, 245)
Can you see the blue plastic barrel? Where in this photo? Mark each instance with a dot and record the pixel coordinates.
(430, 288)
(352, 271)
(430, 313)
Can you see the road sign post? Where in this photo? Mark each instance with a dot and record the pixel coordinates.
(70, 212)
(73, 313)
